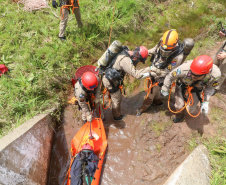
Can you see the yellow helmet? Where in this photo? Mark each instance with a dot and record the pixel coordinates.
(169, 39)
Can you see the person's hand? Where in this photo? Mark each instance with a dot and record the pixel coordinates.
(221, 34)
(164, 93)
(89, 118)
(221, 55)
(54, 4)
(204, 108)
(145, 75)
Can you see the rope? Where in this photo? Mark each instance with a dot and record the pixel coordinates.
(111, 24)
(190, 101)
(148, 88)
(109, 99)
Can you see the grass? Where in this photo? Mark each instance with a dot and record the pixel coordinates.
(41, 65)
(216, 146)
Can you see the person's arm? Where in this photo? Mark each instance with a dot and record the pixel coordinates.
(221, 56)
(81, 96)
(172, 76)
(221, 34)
(128, 67)
(152, 51)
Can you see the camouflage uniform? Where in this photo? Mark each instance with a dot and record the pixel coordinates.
(182, 75)
(158, 75)
(84, 97)
(64, 16)
(123, 64)
(221, 64)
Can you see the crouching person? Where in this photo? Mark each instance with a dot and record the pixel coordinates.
(199, 75)
(87, 91)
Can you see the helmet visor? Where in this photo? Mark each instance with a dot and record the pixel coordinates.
(165, 53)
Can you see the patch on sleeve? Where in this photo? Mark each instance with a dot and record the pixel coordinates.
(174, 62)
(169, 67)
(178, 71)
(215, 84)
(81, 98)
(174, 73)
(216, 79)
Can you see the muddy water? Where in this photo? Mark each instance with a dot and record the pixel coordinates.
(137, 152)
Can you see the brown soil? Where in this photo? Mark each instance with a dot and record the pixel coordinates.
(141, 150)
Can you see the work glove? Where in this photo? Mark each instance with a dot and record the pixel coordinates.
(54, 4)
(145, 75)
(204, 108)
(164, 93)
(89, 118)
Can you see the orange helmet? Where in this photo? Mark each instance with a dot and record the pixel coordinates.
(89, 80)
(169, 39)
(201, 65)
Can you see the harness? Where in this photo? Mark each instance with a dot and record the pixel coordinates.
(114, 75)
(64, 5)
(178, 50)
(90, 94)
(195, 90)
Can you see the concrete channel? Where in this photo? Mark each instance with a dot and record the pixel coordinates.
(25, 155)
(25, 152)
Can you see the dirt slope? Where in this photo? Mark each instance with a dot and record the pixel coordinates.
(141, 150)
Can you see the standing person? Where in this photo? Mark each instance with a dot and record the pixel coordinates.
(220, 60)
(200, 74)
(66, 5)
(87, 90)
(168, 54)
(124, 62)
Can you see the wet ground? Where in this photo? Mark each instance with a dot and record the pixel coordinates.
(141, 150)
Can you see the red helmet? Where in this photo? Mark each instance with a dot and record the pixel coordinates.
(201, 65)
(89, 80)
(143, 52)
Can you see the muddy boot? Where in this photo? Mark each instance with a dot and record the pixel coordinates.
(138, 112)
(178, 118)
(119, 118)
(157, 102)
(147, 102)
(62, 38)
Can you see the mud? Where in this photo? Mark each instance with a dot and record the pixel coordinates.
(141, 150)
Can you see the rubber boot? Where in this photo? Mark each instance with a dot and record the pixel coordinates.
(62, 38)
(147, 102)
(157, 102)
(119, 118)
(178, 118)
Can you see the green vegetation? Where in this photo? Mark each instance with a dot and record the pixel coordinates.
(215, 144)
(41, 65)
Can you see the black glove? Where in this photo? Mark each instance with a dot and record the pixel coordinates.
(54, 4)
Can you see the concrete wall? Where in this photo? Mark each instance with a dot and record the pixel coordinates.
(195, 169)
(25, 152)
